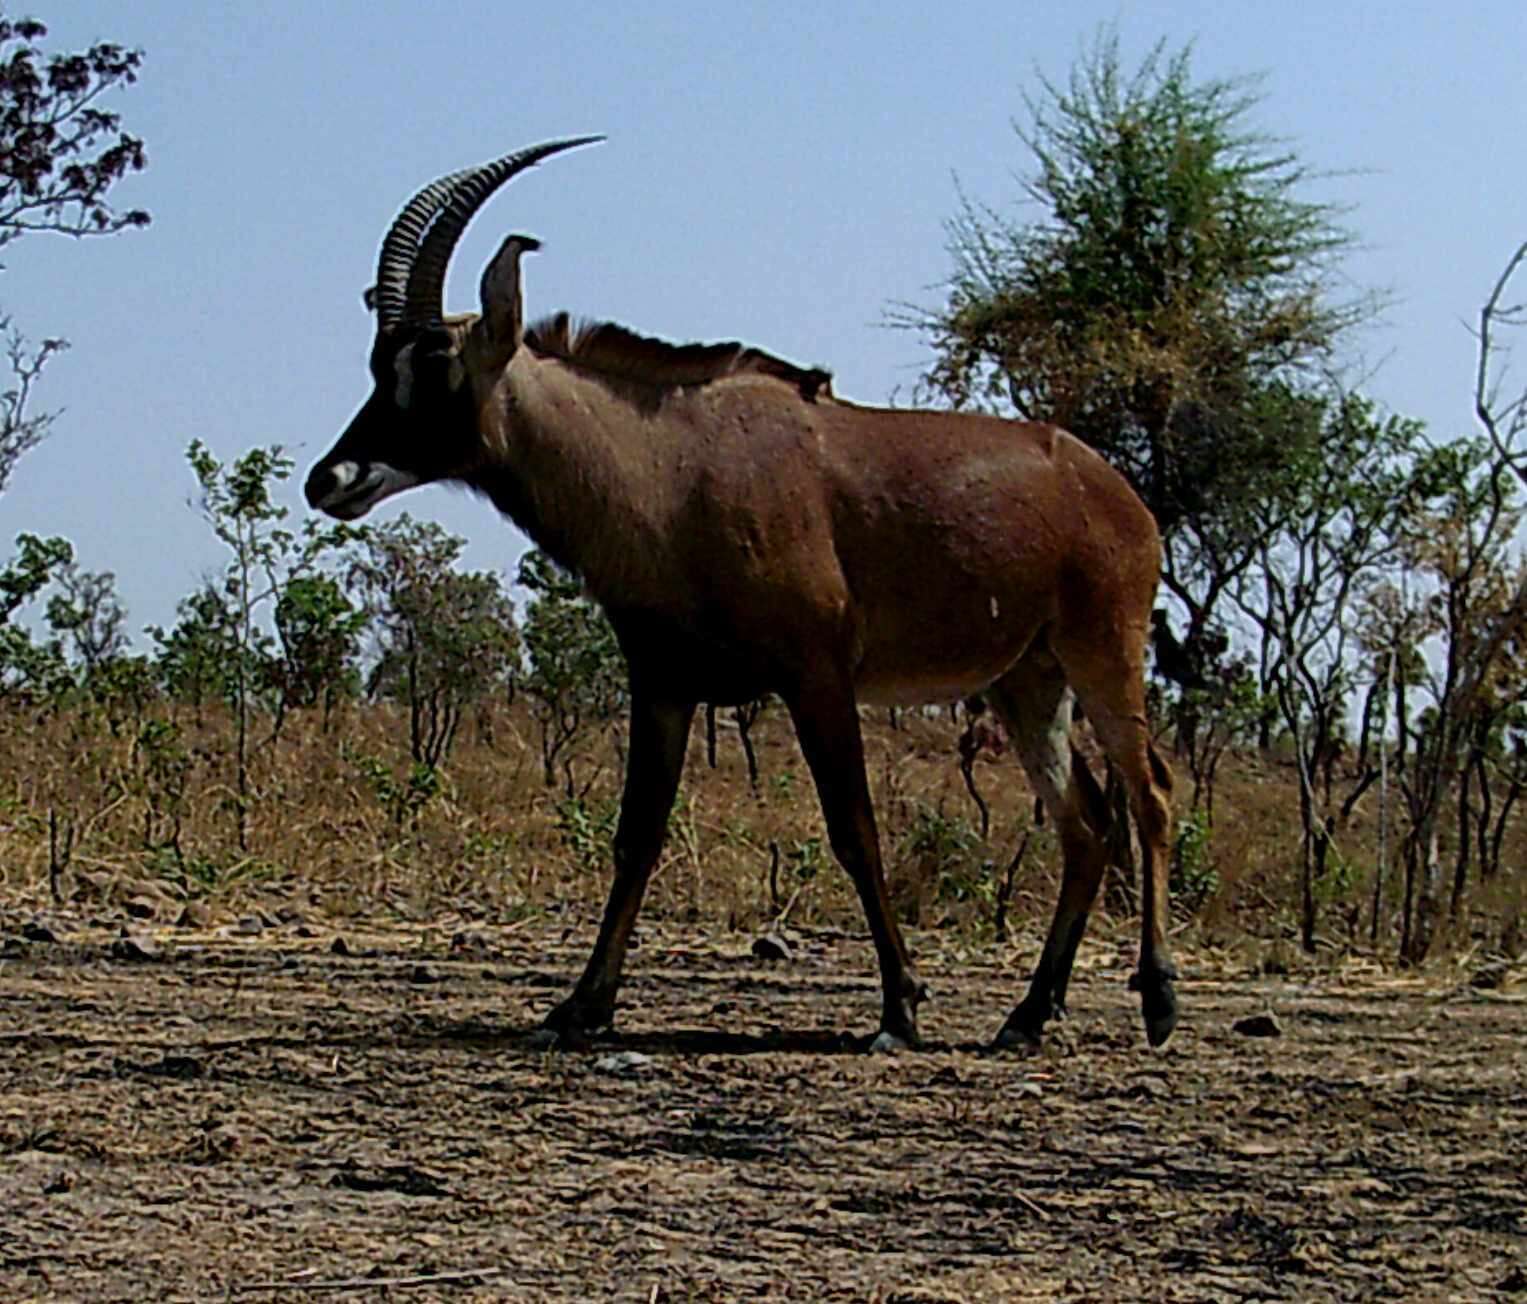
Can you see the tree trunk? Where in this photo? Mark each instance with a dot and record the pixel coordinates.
(1465, 838)
(1426, 865)
(1489, 867)
(1307, 752)
(1307, 867)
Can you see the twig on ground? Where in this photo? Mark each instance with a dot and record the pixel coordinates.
(316, 1285)
(1033, 1206)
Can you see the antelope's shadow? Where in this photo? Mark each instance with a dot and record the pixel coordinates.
(676, 1042)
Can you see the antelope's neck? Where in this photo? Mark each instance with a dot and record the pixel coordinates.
(583, 471)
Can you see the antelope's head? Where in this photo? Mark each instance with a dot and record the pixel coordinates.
(420, 424)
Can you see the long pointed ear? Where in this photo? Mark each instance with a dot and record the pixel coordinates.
(503, 312)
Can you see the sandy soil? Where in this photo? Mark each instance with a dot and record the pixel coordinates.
(205, 1116)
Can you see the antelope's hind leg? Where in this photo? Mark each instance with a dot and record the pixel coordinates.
(1150, 786)
(654, 762)
(1113, 693)
(1034, 704)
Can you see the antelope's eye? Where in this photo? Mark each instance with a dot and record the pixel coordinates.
(434, 370)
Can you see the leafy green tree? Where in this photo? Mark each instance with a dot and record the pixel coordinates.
(35, 563)
(1491, 782)
(577, 675)
(447, 638)
(86, 620)
(1334, 529)
(61, 152)
(1169, 285)
(124, 686)
(89, 638)
(319, 630)
(1453, 641)
(1216, 713)
(1465, 577)
(28, 668)
(236, 502)
(196, 655)
(1215, 552)
(87, 615)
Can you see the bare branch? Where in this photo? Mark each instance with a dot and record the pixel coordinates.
(315, 1285)
(1487, 402)
(21, 431)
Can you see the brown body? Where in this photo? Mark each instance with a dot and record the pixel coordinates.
(748, 533)
(926, 550)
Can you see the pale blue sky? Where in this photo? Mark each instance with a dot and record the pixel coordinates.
(774, 173)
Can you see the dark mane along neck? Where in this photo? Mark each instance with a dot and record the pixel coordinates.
(612, 350)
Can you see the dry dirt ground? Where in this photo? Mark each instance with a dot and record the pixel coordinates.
(195, 1116)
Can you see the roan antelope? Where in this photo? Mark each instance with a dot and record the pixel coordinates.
(749, 533)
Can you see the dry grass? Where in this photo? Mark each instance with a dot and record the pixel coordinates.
(109, 817)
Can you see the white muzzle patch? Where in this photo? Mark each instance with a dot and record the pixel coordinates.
(357, 490)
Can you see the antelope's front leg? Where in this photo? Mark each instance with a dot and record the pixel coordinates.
(659, 734)
(827, 720)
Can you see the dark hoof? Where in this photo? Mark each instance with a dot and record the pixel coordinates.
(898, 1021)
(888, 1043)
(571, 1039)
(1025, 1026)
(1013, 1037)
(898, 1031)
(571, 1024)
(1158, 1005)
(552, 1039)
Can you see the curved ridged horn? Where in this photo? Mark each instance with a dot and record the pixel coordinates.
(424, 299)
(401, 245)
